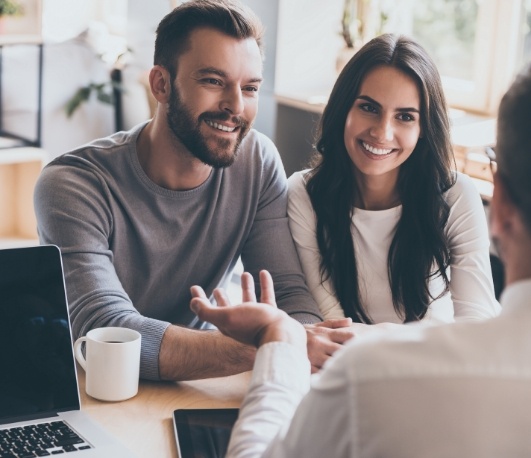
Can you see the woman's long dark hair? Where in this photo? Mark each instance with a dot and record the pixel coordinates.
(419, 250)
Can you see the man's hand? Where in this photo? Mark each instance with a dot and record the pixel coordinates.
(325, 338)
(250, 322)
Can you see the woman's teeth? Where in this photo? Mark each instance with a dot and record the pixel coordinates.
(220, 126)
(377, 151)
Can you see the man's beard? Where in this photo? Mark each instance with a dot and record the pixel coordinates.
(188, 131)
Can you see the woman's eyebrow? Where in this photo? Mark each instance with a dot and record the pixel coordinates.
(369, 99)
(374, 102)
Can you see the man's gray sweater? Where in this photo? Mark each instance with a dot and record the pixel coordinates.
(132, 249)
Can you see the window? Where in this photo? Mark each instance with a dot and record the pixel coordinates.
(525, 56)
(478, 45)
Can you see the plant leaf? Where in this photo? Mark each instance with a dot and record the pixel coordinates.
(81, 95)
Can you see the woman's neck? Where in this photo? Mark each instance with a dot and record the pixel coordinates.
(377, 192)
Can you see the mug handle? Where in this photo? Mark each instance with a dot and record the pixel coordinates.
(77, 353)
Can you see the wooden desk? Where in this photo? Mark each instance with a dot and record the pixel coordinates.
(144, 423)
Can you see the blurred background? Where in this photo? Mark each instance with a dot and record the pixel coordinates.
(75, 70)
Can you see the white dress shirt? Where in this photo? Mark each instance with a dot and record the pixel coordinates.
(456, 390)
(471, 295)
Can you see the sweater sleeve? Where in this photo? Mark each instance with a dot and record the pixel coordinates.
(73, 212)
(270, 245)
(302, 224)
(471, 284)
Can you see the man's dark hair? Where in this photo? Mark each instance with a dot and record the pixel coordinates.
(227, 16)
(513, 143)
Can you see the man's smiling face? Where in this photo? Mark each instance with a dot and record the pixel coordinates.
(214, 97)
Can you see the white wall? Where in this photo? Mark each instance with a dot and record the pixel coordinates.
(143, 18)
(308, 42)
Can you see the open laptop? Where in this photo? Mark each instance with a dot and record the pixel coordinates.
(39, 398)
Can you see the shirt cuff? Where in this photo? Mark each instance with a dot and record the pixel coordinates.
(283, 364)
(152, 332)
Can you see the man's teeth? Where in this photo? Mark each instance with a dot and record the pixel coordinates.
(219, 126)
(377, 151)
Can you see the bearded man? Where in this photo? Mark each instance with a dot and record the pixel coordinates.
(143, 215)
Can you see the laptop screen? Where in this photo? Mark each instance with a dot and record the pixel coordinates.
(37, 369)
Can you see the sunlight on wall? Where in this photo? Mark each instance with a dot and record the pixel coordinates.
(308, 44)
(66, 19)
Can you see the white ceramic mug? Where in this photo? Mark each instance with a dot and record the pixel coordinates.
(112, 363)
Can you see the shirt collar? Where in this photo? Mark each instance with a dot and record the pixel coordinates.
(516, 295)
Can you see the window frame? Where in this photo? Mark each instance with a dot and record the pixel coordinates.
(497, 48)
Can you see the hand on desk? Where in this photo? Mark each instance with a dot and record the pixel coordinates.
(250, 322)
(325, 338)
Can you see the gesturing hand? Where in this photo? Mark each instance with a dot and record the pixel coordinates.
(251, 322)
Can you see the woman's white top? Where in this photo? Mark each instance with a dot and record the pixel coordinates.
(471, 295)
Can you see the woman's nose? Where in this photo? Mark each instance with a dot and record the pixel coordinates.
(382, 130)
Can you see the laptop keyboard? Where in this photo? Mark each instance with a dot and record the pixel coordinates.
(43, 439)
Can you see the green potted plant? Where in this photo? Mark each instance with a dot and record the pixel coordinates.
(350, 23)
(351, 31)
(107, 92)
(103, 92)
(361, 21)
(10, 8)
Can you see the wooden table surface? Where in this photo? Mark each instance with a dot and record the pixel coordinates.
(144, 423)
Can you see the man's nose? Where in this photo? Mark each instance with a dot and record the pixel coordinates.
(232, 101)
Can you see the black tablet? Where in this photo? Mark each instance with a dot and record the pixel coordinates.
(203, 433)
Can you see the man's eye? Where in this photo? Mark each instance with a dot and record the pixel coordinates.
(212, 81)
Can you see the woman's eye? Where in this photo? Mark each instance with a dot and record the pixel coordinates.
(406, 117)
(367, 107)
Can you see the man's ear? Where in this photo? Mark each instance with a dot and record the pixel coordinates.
(160, 83)
(503, 212)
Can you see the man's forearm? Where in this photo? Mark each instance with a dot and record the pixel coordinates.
(189, 354)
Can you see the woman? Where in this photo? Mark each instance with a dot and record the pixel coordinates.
(386, 230)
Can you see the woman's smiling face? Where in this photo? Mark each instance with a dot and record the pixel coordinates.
(383, 126)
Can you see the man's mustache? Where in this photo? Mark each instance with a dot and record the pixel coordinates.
(223, 116)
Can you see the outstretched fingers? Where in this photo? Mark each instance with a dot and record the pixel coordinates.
(221, 298)
(248, 292)
(200, 304)
(197, 291)
(267, 288)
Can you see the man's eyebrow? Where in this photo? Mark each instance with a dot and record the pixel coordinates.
(210, 71)
(374, 102)
(216, 71)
